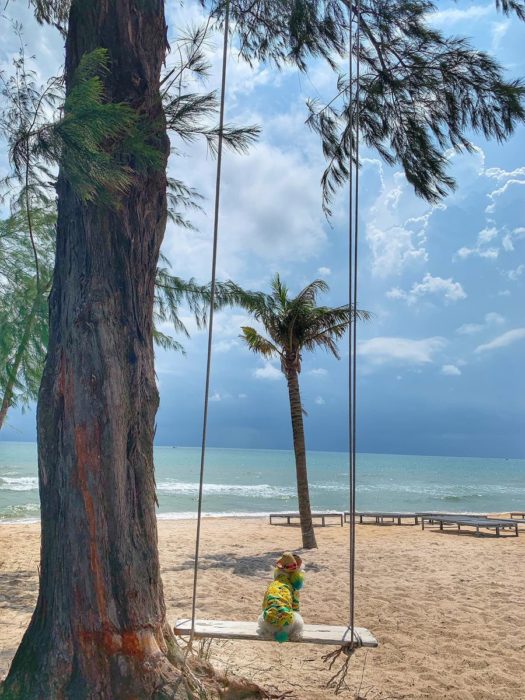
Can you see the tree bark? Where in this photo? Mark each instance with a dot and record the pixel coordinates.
(98, 630)
(303, 493)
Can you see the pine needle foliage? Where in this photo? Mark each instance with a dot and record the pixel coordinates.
(80, 139)
(23, 304)
(82, 132)
(43, 128)
(190, 112)
(173, 292)
(421, 93)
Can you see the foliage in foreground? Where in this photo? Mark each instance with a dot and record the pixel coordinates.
(44, 128)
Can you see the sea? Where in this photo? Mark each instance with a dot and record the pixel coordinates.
(257, 482)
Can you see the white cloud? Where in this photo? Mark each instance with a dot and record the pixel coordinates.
(502, 341)
(455, 15)
(491, 319)
(320, 401)
(396, 228)
(242, 396)
(466, 252)
(516, 273)
(499, 29)
(494, 318)
(325, 271)
(447, 288)
(487, 234)
(270, 211)
(511, 237)
(500, 174)
(224, 345)
(451, 370)
(319, 372)
(216, 397)
(470, 328)
(269, 371)
(503, 216)
(381, 350)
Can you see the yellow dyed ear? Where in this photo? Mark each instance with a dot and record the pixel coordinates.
(297, 579)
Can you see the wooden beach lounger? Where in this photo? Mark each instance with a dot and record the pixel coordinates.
(518, 514)
(380, 516)
(235, 629)
(323, 516)
(497, 524)
(432, 516)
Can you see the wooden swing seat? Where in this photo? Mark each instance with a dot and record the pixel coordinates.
(312, 634)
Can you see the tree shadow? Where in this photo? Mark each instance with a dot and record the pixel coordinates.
(253, 565)
(18, 590)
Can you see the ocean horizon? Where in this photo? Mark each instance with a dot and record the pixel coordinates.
(257, 482)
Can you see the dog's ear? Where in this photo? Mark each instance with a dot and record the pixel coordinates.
(297, 580)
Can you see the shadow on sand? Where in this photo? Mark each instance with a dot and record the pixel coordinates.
(254, 565)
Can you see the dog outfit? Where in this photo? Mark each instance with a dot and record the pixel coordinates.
(280, 617)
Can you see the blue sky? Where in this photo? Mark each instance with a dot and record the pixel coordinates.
(440, 363)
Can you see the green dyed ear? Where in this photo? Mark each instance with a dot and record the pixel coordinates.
(297, 579)
(281, 636)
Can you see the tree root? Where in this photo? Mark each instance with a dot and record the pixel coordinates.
(207, 683)
(338, 681)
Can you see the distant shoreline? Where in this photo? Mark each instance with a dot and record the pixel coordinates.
(223, 516)
(313, 451)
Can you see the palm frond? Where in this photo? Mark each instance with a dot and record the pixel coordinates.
(295, 323)
(258, 343)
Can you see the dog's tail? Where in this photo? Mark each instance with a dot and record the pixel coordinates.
(281, 636)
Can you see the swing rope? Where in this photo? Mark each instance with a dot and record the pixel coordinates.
(353, 222)
(211, 313)
(353, 241)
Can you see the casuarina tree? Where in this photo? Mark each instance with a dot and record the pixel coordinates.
(99, 629)
(295, 325)
(34, 125)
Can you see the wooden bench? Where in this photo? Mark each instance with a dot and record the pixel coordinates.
(380, 516)
(518, 514)
(496, 524)
(433, 517)
(237, 629)
(323, 516)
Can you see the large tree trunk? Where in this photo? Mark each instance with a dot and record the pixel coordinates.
(98, 627)
(303, 493)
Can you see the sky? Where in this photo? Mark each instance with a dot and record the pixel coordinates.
(440, 364)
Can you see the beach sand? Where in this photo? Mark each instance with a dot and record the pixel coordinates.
(448, 609)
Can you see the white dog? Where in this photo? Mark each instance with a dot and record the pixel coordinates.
(280, 618)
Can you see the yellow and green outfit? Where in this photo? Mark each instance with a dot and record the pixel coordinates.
(282, 598)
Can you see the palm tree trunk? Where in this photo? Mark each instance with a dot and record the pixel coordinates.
(303, 493)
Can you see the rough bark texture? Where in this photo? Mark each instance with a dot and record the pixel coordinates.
(97, 631)
(303, 493)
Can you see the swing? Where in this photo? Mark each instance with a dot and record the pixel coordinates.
(348, 637)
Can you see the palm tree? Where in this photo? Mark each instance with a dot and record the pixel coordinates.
(294, 325)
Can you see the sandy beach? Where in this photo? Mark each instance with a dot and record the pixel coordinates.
(448, 609)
